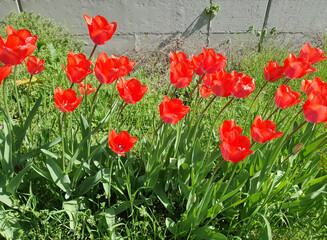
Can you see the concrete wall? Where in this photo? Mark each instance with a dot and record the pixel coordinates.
(146, 25)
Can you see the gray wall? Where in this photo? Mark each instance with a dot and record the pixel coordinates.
(146, 25)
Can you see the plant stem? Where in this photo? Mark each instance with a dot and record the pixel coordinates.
(211, 101)
(288, 137)
(17, 96)
(158, 128)
(227, 104)
(168, 89)
(62, 141)
(273, 113)
(124, 104)
(256, 96)
(93, 50)
(71, 85)
(5, 97)
(96, 93)
(215, 149)
(197, 84)
(29, 86)
(173, 93)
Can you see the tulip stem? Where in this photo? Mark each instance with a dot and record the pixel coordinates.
(29, 86)
(215, 149)
(96, 93)
(17, 96)
(173, 93)
(256, 96)
(123, 105)
(158, 128)
(168, 89)
(93, 50)
(211, 101)
(197, 84)
(252, 144)
(288, 137)
(62, 141)
(5, 99)
(227, 104)
(221, 163)
(286, 81)
(71, 85)
(273, 113)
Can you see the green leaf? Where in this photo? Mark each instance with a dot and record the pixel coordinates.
(60, 179)
(15, 182)
(266, 233)
(6, 162)
(4, 198)
(163, 197)
(208, 233)
(88, 183)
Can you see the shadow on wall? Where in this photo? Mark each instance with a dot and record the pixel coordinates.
(174, 41)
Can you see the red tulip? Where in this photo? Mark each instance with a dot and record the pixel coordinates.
(172, 111)
(241, 85)
(20, 44)
(208, 62)
(178, 57)
(316, 85)
(205, 91)
(107, 70)
(315, 108)
(181, 74)
(5, 70)
(295, 68)
(273, 72)
(131, 91)
(227, 128)
(99, 28)
(235, 148)
(285, 98)
(34, 65)
(66, 100)
(219, 82)
(264, 131)
(78, 67)
(126, 66)
(121, 143)
(89, 89)
(313, 55)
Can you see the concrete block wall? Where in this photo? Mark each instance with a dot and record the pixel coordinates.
(151, 25)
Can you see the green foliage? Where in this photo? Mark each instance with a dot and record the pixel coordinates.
(174, 185)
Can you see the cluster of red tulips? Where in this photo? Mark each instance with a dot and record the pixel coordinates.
(213, 79)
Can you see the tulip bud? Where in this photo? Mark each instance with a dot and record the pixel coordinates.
(297, 148)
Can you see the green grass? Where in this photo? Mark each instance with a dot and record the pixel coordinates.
(38, 213)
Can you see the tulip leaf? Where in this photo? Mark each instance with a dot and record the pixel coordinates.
(60, 179)
(15, 182)
(6, 162)
(88, 183)
(208, 232)
(163, 197)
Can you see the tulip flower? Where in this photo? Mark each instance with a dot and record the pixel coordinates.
(122, 143)
(126, 66)
(78, 67)
(172, 111)
(273, 72)
(313, 55)
(66, 100)
(208, 62)
(89, 89)
(295, 68)
(241, 85)
(181, 74)
(286, 98)
(100, 30)
(219, 82)
(178, 57)
(264, 131)
(205, 91)
(34, 65)
(20, 44)
(316, 85)
(228, 127)
(131, 91)
(107, 70)
(315, 108)
(5, 70)
(235, 148)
